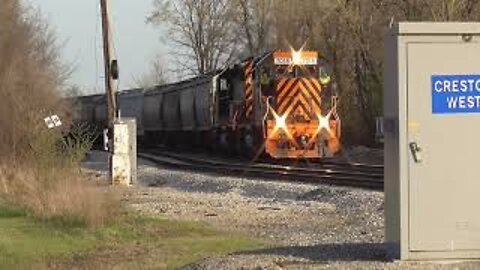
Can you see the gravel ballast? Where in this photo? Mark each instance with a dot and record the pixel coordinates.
(308, 226)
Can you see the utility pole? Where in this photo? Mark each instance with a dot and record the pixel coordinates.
(111, 75)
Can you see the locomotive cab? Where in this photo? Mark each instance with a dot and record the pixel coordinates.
(301, 118)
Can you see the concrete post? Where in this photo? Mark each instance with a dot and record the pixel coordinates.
(124, 159)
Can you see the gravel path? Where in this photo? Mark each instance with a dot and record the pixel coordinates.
(311, 226)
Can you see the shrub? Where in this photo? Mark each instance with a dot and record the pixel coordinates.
(39, 167)
(51, 187)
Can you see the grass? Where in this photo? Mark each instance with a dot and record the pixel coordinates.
(135, 242)
(24, 240)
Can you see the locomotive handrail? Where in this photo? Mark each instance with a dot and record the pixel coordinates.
(267, 54)
(267, 102)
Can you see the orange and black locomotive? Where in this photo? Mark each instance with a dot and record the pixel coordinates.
(289, 106)
(301, 118)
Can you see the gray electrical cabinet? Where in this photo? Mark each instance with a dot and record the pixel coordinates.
(432, 141)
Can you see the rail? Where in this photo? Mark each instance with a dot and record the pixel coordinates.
(326, 172)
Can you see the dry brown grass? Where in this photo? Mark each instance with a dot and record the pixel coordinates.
(58, 194)
(39, 167)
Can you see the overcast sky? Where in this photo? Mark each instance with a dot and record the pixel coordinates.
(78, 23)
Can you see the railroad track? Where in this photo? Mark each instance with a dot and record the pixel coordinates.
(326, 172)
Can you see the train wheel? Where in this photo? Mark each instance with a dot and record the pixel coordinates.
(253, 144)
(223, 141)
(188, 140)
(210, 140)
(231, 144)
(198, 137)
(161, 138)
(171, 139)
(249, 144)
(236, 142)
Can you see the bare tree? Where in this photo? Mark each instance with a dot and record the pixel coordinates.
(201, 28)
(255, 25)
(156, 75)
(453, 10)
(357, 35)
(73, 91)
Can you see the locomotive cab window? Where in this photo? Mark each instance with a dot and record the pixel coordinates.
(223, 84)
(224, 96)
(324, 72)
(297, 71)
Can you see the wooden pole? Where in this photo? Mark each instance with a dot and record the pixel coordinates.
(109, 80)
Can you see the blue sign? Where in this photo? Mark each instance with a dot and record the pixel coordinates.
(455, 94)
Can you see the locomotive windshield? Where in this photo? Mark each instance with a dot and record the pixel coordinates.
(324, 72)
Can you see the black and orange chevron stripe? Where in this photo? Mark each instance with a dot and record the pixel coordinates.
(299, 96)
(248, 73)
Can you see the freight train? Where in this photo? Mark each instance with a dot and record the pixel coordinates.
(281, 104)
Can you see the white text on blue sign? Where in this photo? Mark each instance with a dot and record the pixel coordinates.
(455, 94)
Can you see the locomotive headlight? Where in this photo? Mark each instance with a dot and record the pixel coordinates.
(280, 125)
(281, 122)
(323, 122)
